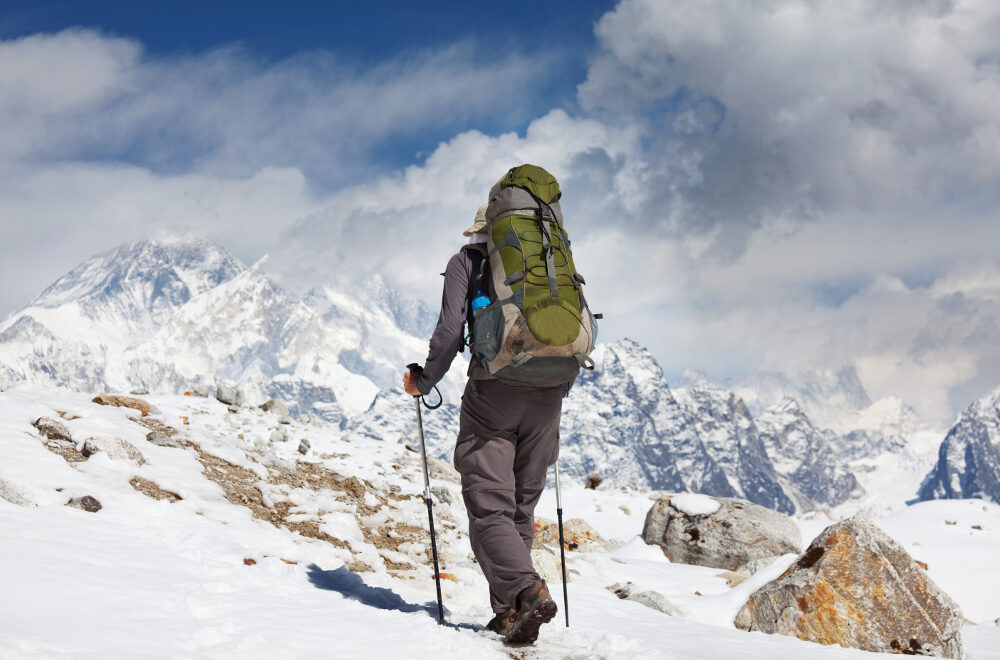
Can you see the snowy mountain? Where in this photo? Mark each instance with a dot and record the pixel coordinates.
(969, 458)
(169, 316)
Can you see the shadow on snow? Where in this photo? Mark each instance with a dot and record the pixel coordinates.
(351, 586)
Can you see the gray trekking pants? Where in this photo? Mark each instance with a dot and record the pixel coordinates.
(508, 437)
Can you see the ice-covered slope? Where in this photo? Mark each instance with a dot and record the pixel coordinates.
(969, 457)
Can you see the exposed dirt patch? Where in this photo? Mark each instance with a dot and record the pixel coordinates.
(154, 424)
(151, 489)
(67, 451)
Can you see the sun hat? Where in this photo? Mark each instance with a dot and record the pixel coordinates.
(479, 224)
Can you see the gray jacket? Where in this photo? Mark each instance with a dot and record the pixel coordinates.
(447, 339)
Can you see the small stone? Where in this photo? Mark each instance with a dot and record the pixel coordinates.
(979, 527)
(278, 435)
(442, 494)
(593, 481)
(734, 578)
(950, 522)
(276, 406)
(52, 429)
(115, 448)
(86, 503)
(303, 446)
(228, 394)
(15, 493)
(203, 391)
(284, 419)
(233, 408)
(162, 440)
(249, 562)
(140, 391)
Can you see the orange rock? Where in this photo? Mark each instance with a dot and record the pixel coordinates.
(448, 576)
(249, 562)
(123, 402)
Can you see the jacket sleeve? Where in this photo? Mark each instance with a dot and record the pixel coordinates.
(447, 338)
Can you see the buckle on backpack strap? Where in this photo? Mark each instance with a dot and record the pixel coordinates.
(585, 361)
(520, 359)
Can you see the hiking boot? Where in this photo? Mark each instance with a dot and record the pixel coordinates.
(502, 622)
(534, 607)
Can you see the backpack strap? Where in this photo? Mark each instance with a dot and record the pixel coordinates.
(478, 276)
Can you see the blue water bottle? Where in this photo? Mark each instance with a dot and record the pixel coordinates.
(479, 301)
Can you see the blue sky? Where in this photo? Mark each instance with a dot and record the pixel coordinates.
(783, 186)
(358, 36)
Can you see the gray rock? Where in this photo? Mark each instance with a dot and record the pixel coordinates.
(547, 563)
(52, 429)
(276, 406)
(228, 394)
(278, 435)
(651, 599)
(116, 449)
(233, 408)
(304, 446)
(442, 494)
(738, 532)
(285, 419)
(162, 440)
(755, 565)
(857, 587)
(202, 391)
(140, 391)
(86, 503)
(15, 493)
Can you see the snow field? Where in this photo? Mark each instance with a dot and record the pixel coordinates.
(145, 578)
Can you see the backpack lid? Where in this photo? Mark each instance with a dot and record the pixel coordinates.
(533, 178)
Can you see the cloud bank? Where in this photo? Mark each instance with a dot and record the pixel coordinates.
(782, 185)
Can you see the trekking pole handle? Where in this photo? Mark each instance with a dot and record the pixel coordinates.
(415, 369)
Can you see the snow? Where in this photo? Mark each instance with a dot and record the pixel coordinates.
(694, 504)
(203, 578)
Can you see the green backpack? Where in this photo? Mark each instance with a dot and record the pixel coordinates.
(537, 330)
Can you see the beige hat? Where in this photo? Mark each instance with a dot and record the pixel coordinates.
(479, 224)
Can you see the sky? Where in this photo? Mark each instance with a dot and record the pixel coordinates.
(782, 185)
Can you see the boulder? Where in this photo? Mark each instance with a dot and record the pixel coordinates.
(228, 394)
(736, 532)
(116, 449)
(549, 566)
(52, 429)
(278, 435)
(651, 599)
(15, 493)
(304, 446)
(857, 587)
(577, 535)
(202, 391)
(124, 402)
(85, 503)
(276, 406)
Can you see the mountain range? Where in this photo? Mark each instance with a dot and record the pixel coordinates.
(183, 314)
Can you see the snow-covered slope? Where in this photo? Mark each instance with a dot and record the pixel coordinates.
(231, 544)
(969, 458)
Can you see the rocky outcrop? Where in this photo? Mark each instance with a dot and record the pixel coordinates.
(736, 533)
(577, 535)
(52, 429)
(115, 448)
(968, 463)
(124, 402)
(856, 587)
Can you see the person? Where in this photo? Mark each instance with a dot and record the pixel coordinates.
(508, 437)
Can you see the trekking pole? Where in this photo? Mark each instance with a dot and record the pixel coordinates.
(562, 546)
(415, 370)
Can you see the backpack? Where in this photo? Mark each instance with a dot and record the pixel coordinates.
(537, 330)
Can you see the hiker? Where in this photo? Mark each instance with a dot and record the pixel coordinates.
(508, 433)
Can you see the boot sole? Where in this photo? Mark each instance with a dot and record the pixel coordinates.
(525, 631)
